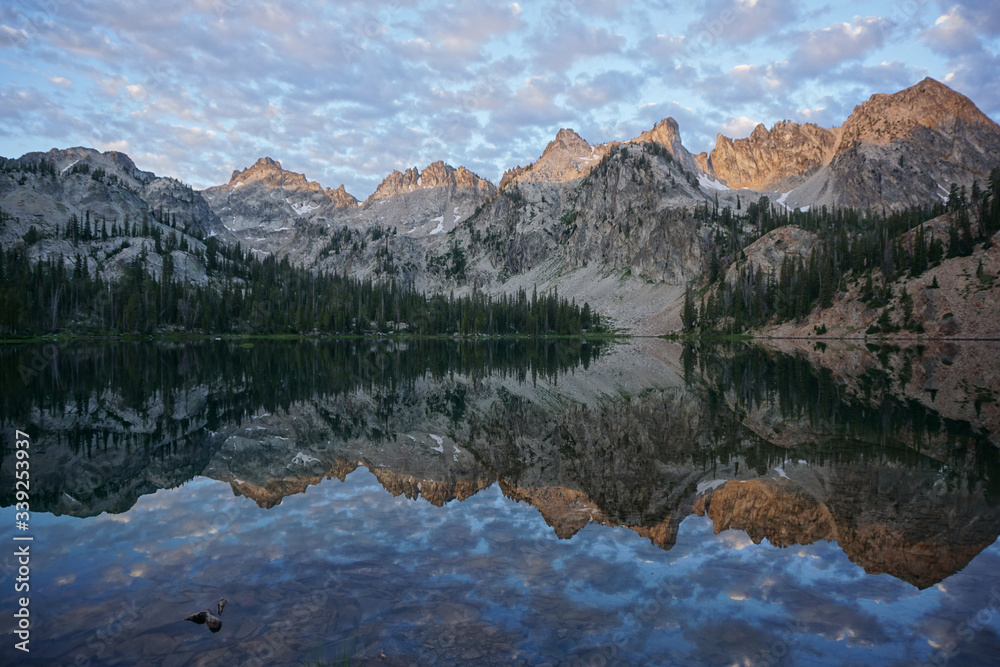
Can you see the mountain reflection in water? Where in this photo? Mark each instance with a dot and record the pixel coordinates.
(198, 471)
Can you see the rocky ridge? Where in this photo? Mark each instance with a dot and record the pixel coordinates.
(104, 191)
(435, 175)
(771, 160)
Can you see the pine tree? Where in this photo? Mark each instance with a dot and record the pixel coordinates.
(688, 316)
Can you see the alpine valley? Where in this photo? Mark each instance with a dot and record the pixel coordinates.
(884, 226)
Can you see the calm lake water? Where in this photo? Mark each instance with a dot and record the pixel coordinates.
(500, 502)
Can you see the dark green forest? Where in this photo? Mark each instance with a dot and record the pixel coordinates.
(247, 296)
(853, 246)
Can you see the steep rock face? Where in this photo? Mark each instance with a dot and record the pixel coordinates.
(265, 198)
(767, 253)
(269, 172)
(180, 204)
(619, 235)
(103, 191)
(666, 133)
(565, 158)
(341, 197)
(108, 185)
(910, 113)
(435, 175)
(625, 221)
(772, 159)
(906, 148)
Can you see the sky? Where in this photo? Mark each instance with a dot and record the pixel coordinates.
(346, 92)
(346, 563)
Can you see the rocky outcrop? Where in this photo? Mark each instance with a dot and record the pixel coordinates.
(435, 175)
(341, 197)
(264, 200)
(906, 148)
(565, 158)
(103, 192)
(769, 252)
(776, 159)
(624, 221)
(269, 172)
(667, 133)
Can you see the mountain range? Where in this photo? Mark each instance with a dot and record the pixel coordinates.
(628, 226)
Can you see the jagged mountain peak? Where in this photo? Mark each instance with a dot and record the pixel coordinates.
(341, 197)
(929, 104)
(905, 148)
(270, 173)
(771, 159)
(435, 175)
(667, 133)
(567, 157)
(567, 138)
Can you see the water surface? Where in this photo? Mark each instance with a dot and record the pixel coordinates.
(509, 503)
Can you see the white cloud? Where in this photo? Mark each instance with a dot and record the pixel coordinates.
(817, 51)
(724, 22)
(573, 42)
(952, 33)
(364, 85)
(13, 36)
(738, 127)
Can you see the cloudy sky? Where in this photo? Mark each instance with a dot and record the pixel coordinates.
(345, 92)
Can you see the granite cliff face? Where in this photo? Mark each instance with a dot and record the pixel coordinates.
(905, 148)
(566, 158)
(611, 225)
(667, 133)
(341, 197)
(893, 151)
(265, 198)
(45, 189)
(435, 175)
(776, 159)
(105, 192)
